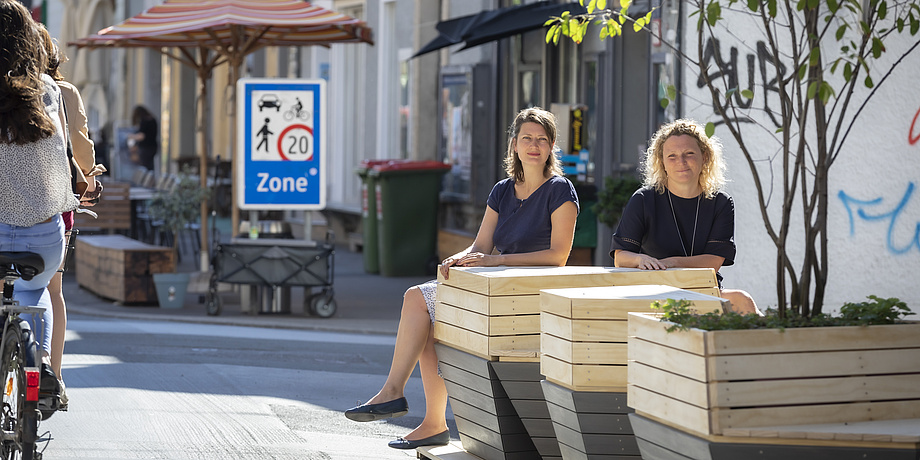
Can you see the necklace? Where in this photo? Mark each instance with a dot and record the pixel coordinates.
(695, 221)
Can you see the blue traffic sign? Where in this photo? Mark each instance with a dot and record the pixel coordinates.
(281, 145)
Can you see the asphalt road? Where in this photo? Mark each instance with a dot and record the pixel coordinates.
(146, 389)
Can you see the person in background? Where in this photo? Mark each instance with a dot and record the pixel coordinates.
(681, 217)
(530, 220)
(35, 177)
(86, 171)
(144, 140)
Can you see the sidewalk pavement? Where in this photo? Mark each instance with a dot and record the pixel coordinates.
(367, 303)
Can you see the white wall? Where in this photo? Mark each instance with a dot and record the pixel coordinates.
(874, 195)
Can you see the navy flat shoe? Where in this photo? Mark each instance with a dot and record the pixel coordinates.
(373, 412)
(440, 439)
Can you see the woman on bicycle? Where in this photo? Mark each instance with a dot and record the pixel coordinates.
(35, 180)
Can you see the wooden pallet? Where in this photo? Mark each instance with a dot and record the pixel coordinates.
(727, 382)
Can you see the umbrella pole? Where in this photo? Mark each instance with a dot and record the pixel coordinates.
(235, 63)
(204, 74)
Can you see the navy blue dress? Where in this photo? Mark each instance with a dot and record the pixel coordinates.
(526, 225)
(648, 226)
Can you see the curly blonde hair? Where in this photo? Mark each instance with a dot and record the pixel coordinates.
(712, 174)
(547, 120)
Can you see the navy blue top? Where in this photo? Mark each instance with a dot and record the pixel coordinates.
(526, 225)
(647, 226)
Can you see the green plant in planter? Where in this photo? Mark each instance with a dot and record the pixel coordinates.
(613, 197)
(876, 311)
(179, 206)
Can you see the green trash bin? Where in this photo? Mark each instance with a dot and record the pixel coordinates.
(369, 201)
(407, 216)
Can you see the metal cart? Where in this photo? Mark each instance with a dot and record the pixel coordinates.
(276, 263)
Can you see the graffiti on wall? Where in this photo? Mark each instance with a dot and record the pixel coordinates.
(876, 210)
(914, 134)
(756, 67)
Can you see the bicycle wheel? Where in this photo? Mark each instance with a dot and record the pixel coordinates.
(18, 418)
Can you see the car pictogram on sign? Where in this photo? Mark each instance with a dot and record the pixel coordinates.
(270, 101)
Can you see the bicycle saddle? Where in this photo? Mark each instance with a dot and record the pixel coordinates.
(25, 264)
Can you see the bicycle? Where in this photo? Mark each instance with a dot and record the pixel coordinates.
(294, 112)
(20, 363)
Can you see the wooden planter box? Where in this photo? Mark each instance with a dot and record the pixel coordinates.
(119, 268)
(755, 383)
(493, 313)
(584, 360)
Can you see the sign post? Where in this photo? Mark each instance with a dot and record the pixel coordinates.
(281, 159)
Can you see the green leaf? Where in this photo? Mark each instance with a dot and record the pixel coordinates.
(803, 70)
(882, 10)
(800, 5)
(771, 8)
(710, 129)
(713, 13)
(812, 90)
(848, 71)
(900, 25)
(747, 94)
(778, 130)
(729, 93)
(551, 33)
(624, 4)
(840, 31)
(672, 92)
(914, 25)
(833, 6)
(877, 47)
(664, 102)
(591, 6)
(815, 57)
(812, 4)
(602, 4)
(753, 5)
(869, 82)
(834, 66)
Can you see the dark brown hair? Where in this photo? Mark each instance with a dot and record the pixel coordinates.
(22, 62)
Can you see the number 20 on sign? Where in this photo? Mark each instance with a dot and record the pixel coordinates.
(281, 146)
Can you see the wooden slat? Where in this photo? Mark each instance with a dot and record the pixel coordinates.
(902, 430)
(514, 325)
(813, 414)
(584, 330)
(798, 340)
(458, 317)
(674, 386)
(583, 352)
(471, 342)
(490, 306)
(783, 392)
(584, 377)
(687, 416)
(615, 302)
(647, 326)
(675, 361)
(497, 281)
(818, 364)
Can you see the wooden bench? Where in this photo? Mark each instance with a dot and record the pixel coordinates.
(119, 268)
(488, 328)
(113, 209)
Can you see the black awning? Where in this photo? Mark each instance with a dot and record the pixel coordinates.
(487, 26)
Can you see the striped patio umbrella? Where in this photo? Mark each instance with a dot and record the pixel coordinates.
(207, 33)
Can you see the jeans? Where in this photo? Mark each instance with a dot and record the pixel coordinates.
(47, 240)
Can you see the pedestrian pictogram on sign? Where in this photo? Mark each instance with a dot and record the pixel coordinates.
(281, 144)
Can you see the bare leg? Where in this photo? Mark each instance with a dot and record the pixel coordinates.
(742, 302)
(59, 325)
(412, 338)
(435, 420)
